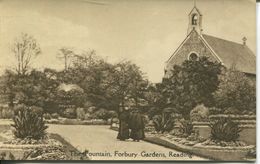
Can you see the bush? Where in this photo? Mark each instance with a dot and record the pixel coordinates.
(6, 113)
(236, 91)
(55, 115)
(199, 113)
(214, 110)
(251, 153)
(225, 130)
(186, 127)
(47, 116)
(232, 110)
(102, 114)
(80, 113)
(163, 125)
(29, 123)
(69, 113)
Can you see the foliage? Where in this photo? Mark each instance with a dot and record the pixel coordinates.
(186, 127)
(192, 83)
(163, 124)
(69, 113)
(214, 110)
(55, 115)
(80, 113)
(103, 114)
(36, 88)
(225, 130)
(251, 153)
(4, 156)
(236, 93)
(6, 112)
(199, 113)
(29, 123)
(47, 116)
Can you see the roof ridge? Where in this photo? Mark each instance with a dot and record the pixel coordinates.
(224, 40)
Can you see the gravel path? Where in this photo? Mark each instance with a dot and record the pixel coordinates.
(102, 144)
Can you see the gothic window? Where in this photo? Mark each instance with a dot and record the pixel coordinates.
(193, 56)
(194, 19)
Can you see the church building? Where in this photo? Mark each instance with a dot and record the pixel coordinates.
(198, 44)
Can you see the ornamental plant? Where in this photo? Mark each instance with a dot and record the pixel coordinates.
(163, 124)
(29, 123)
(225, 130)
(186, 127)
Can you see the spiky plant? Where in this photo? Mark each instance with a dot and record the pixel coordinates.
(29, 124)
(163, 125)
(186, 127)
(225, 130)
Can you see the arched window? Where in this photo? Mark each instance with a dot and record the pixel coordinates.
(193, 56)
(194, 19)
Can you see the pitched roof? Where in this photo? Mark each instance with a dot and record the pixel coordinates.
(233, 54)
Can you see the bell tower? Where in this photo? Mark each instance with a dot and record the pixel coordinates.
(195, 20)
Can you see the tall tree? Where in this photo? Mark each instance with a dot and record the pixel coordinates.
(192, 83)
(25, 48)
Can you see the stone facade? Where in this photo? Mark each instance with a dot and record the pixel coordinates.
(192, 44)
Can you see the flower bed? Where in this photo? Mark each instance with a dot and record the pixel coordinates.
(52, 148)
(66, 121)
(213, 152)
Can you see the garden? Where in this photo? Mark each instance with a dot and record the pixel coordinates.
(202, 108)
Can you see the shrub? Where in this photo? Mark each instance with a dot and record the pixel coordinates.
(199, 113)
(237, 91)
(163, 125)
(69, 113)
(80, 113)
(186, 127)
(232, 110)
(101, 114)
(251, 153)
(55, 115)
(225, 130)
(91, 109)
(6, 113)
(47, 116)
(29, 124)
(214, 110)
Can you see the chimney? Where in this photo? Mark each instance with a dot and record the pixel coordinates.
(244, 40)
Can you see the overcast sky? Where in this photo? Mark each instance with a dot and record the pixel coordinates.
(144, 31)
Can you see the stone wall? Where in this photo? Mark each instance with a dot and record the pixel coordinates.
(248, 133)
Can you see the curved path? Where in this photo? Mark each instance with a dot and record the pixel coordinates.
(102, 144)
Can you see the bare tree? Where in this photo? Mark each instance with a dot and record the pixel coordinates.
(65, 54)
(25, 48)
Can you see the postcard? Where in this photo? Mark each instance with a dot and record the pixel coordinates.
(99, 80)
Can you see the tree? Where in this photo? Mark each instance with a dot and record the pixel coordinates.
(25, 49)
(236, 93)
(33, 89)
(128, 84)
(65, 54)
(192, 83)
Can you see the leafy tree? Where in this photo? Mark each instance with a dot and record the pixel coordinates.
(128, 84)
(25, 48)
(33, 89)
(236, 93)
(192, 83)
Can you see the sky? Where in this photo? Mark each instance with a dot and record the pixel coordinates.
(145, 32)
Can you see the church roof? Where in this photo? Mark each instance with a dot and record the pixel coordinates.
(233, 54)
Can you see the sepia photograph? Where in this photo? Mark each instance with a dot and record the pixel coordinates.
(120, 80)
